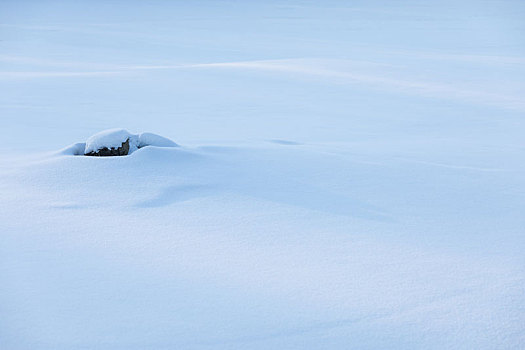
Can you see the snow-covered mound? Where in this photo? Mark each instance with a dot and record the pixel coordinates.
(149, 139)
(114, 138)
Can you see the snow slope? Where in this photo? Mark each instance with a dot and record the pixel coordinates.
(350, 175)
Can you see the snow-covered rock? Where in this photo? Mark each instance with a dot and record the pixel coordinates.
(119, 142)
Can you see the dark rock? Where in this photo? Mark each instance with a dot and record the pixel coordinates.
(109, 152)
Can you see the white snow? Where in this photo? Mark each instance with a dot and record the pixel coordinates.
(350, 175)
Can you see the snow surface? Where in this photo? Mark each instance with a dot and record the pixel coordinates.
(350, 175)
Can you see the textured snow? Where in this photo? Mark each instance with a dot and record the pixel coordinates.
(350, 175)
